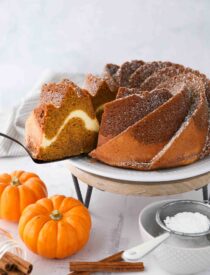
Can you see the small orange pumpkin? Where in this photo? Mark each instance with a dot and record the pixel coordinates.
(18, 190)
(55, 227)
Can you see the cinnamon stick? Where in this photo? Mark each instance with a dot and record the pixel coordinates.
(6, 265)
(106, 266)
(16, 263)
(3, 272)
(15, 273)
(115, 257)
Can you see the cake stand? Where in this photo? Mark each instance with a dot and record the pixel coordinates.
(136, 188)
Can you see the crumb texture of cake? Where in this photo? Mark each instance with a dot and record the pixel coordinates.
(99, 92)
(159, 119)
(63, 124)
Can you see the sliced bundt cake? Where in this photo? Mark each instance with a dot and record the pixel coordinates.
(153, 115)
(64, 124)
(160, 117)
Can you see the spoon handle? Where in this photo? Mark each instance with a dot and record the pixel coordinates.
(136, 253)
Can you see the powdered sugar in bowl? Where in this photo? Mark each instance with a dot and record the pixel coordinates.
(181, 253)
(186, 218)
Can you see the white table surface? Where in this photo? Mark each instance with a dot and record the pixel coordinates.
(114, 217)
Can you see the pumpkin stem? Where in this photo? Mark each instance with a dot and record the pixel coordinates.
(55, 215)
(15, 181)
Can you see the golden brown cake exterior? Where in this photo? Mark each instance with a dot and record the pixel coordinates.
(174, 131)
(63, 125)
(124, 112)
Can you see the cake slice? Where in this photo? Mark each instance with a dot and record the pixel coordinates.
(63, 124)
(100, 93)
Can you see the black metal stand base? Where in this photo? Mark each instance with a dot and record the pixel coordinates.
(206, 197)
(86, 202)
(79, 193)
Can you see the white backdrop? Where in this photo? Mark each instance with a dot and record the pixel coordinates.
(82, 35)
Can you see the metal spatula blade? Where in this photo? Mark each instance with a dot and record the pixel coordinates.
(38, 161)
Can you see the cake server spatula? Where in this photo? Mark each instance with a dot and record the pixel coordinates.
(29, 153)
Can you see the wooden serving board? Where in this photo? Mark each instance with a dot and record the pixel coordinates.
(140, 188)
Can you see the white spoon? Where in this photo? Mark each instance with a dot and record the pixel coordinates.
(136, 253)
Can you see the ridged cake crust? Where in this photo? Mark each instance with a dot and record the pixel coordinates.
(109, 75)
(124, 112)
(126, 70)
(165, 131)
(64, 123)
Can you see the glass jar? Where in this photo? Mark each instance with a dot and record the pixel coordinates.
(9, 244)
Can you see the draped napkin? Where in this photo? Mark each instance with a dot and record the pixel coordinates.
(13, 121)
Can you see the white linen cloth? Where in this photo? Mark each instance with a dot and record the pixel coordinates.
(12, 122)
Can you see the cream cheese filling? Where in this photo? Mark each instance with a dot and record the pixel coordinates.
(90, 124)
(100, 108)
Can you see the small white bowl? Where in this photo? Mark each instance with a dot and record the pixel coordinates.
(175, 256)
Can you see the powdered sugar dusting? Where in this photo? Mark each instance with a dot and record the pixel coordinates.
(188, 222)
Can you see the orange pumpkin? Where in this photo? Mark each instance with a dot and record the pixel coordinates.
(18, 190)
(55, 227)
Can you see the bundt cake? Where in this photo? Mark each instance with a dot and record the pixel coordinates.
(159, 119)
(64, 124)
